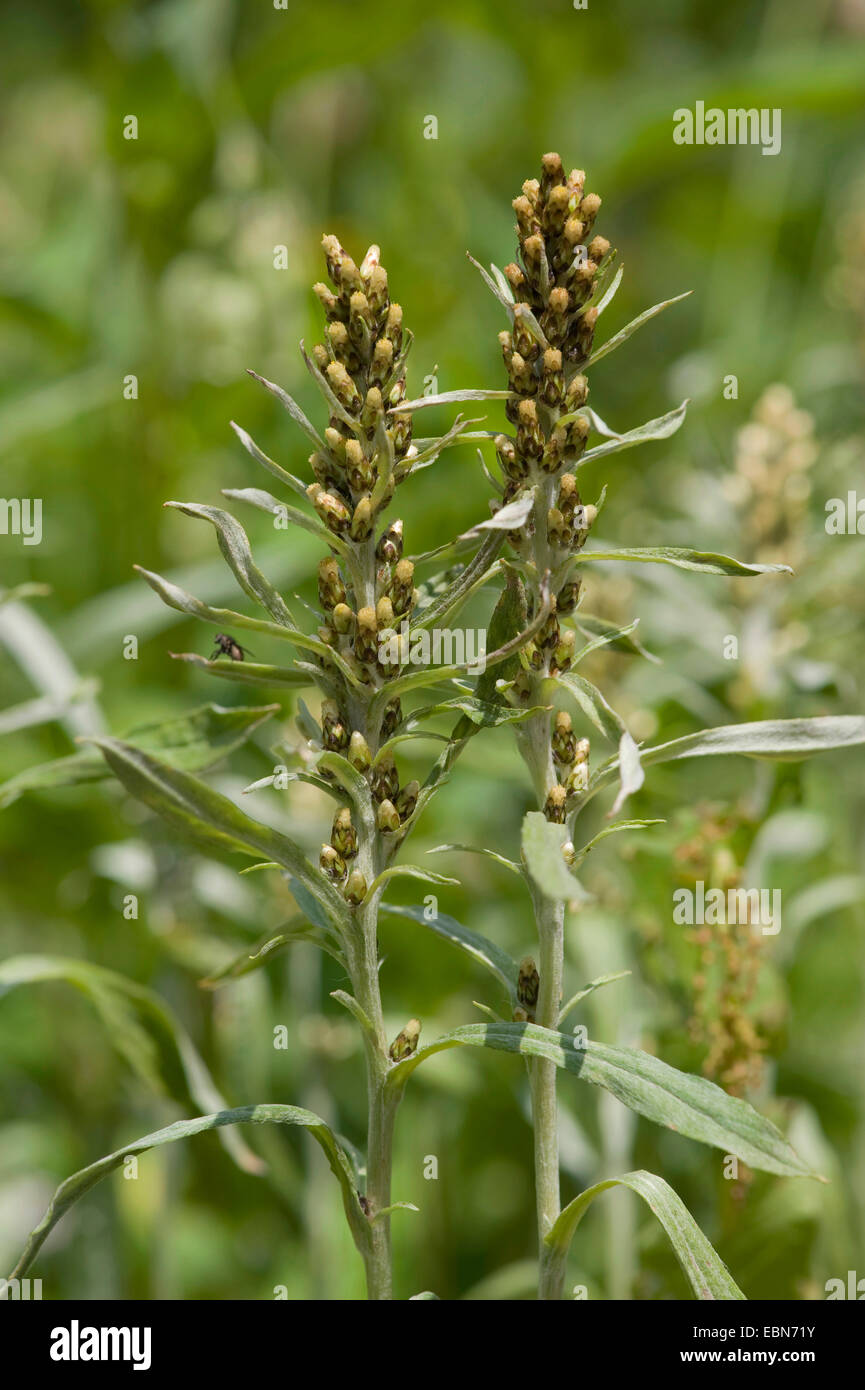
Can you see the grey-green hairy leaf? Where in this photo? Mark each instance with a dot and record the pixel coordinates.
(81, 1182)
(703, 561)
(235, 547)
(193, 741)
(705, 1270)
(478, 947)
(691, 1105)
(211, 820)
(624, 334)
(542, 851)
(121, 1004)
(660, 428)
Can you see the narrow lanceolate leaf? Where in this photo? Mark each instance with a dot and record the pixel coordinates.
(542, 852)
(610, 724)
(705, 1270)
(661, 428)
(80, 1183)
(293, 409)
(766, 738)
(497, 961)
(264, 501)
(691, 1105)
(614, 830)
(246, 672)
(449, 398)
(276, 469)
(478, 849)
(269, 948)
(507, 518)
(786, 740)
(472, 576)
(619, 639)
(211, 820)
(704, 561)
(410, 871)
(584, 993)
(123, 1006)
(624, 334)
(234, 544)
(178, 598)
(194, 741)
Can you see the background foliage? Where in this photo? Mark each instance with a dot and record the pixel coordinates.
(260, 127)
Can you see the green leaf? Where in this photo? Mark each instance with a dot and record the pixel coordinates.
(194, 741)
(120, 1004)
(246, 672)
(705, 1270)
(178, 598)
(293, 409)
(584, 993)
(620, 639)
(211, 820)
(234, 544)
(410, 871)
(271, 946)
(785, 740)
(704, 561)
(288, 479)
(449, 398)
(661, 428)
(542, 851)
(508, 518)
(81, 1182)
(477, 849)
(265, 502)
(624, 334)
(691, 1105)
(497, 961)
(610, 724)
(613, 830)
(468, 578)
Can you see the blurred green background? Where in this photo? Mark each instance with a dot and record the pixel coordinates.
(260, 127)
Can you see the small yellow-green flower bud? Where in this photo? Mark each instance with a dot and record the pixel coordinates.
(405, 1043)
(589, 208)
(402, 587)
(384, 779)
(392, 717)
(387, 817)
(568, 596)
(331, 589)
(554, 807)
(381, 365)
(564, 653)
(358, 752)
(362, 520)
(393, 326)
(598, 248)
(354, 891)
(333, 512)
(407, 799)
(343, 835)
(377, 290)
(333, 729)
(528, 983)
(332, 864)
(343, 619)
(389, 548)
(366, 637)
(530, 438)
(564, 740)
(343, 387)
(577, 393)
(373, 411)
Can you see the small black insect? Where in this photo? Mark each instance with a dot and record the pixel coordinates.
(364, 1203)
(226, 646)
